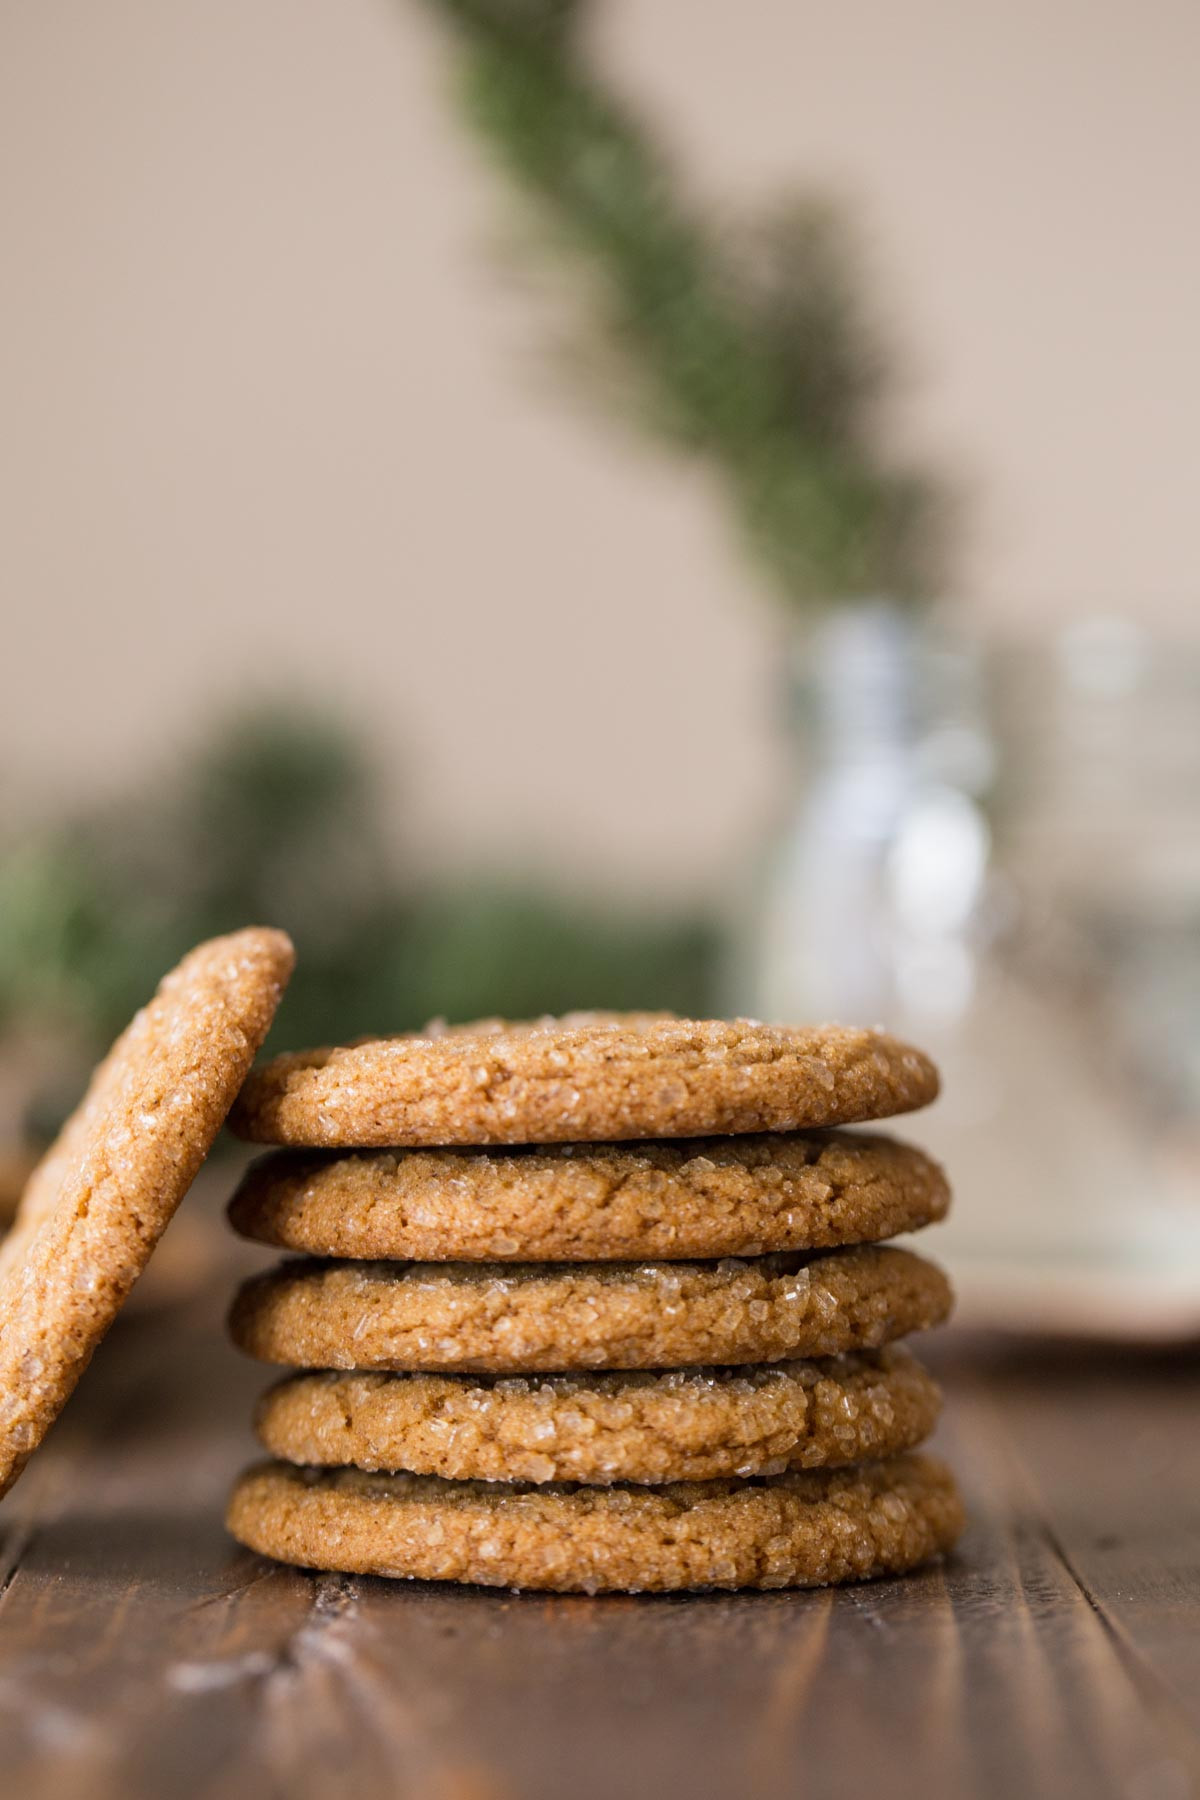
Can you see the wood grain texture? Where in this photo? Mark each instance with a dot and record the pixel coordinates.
(143, 1655)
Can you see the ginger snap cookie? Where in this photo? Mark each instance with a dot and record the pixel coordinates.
(808, 1529)
(513, 1318)
(699, 1197)
(583, 1077)
(682, 1425)
(98, 1202)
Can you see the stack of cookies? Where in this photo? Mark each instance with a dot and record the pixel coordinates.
(593, 1303)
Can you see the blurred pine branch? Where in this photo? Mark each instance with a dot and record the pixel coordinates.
(275, 818)
(757, 355)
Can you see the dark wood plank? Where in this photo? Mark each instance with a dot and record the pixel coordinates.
(142, 1654)
(1103, 1454)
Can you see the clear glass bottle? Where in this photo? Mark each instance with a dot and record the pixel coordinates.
(868, 897)
(999, 855)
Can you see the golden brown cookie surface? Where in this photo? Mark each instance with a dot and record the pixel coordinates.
(698, 1197)
(101, 1197)
(598, 1077)
(513, 1318)
(795, 1530)
(681, 1425)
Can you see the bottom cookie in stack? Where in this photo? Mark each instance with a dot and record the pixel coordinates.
(802, 1529)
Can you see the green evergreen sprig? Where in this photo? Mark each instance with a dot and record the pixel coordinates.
(757, 357)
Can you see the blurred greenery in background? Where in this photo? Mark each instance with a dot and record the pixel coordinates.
(277, 819)
(748, 345)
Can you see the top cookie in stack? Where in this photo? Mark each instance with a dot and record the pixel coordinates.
(607, 1077)
(453, 1273)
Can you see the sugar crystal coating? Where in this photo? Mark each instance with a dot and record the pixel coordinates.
(507, 1318)
(681, 1425)
(801, 1529)
(604, 1077)
(705, 1197)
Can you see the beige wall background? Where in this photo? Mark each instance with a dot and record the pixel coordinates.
(272, 420)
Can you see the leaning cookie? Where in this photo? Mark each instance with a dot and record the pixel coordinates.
(697, 1197)
(98, 1202)
(681, 1425)
(809, 1529)
(582, 1077)
(512, 1318)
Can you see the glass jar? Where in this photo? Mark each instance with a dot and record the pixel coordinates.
(997, 854)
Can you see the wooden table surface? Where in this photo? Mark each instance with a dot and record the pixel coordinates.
(142, 1654)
